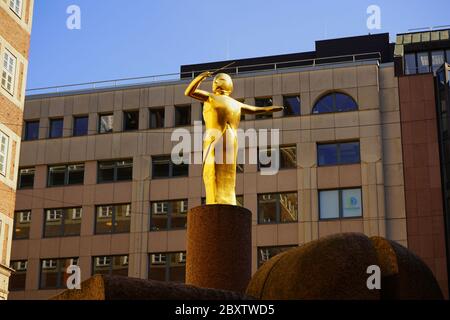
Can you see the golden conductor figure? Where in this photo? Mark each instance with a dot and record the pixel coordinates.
(222, 115)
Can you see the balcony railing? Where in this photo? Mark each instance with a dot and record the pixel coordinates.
(161, 78)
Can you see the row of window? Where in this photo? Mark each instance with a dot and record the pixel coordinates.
(172, 215)
(425, 61)
(4, 147)
(332, 102)
(162, 166)
(164, 266)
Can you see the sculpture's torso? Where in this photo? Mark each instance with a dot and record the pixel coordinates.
(220, 110)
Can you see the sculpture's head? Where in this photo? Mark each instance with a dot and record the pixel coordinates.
(222, 84)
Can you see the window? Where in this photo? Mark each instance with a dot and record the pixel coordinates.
(18, 278)
(4, 146)
(288, 157)
(291, 105)
(335, 102)
(113, 218)
(277, 208)
(80, 126)
(111, 265)
(437, 59)
(342, 203)
(266, 253)
(423, 62)
(56, 128)
(112, 171)
(26, 178)
(53, 272)
(130, 120)
(168, 266)
(16, 7)
(410, 63)
(338, 153)
(168, 215)
(65, 175)
(183, 115)
(263, 102)
(156, 118)
(9, 71)
(106, 123)
(62, 222)
(22, 221)
(163, 167)
(31, 130)
(447, 54)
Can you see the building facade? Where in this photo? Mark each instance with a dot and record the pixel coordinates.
(15, 29)
(97, 187)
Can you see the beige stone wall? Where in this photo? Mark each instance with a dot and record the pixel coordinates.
(375, 125)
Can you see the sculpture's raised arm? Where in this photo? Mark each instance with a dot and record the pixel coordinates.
(193, 92)
(248, 109)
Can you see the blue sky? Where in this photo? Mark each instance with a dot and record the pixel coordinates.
(120, 39)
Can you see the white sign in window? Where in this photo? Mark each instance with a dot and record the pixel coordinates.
(329, 204)
(9, 71)
(351, 203)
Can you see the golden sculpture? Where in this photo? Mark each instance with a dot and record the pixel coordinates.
(222, 114)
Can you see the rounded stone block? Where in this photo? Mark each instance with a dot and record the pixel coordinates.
(219, 247)
(333, 267)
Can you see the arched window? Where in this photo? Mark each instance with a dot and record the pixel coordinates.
(335, 102)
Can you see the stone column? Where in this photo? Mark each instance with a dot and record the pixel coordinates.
(219, 247)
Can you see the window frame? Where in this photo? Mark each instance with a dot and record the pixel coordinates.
(52, 121)
(7, 57)
(279, 149)
(60, 284)
(19, 178)
(167, 264)
(263, 116)
(170, 205)
(111, 263)
(113, 218)
(18, 218)
(287, 96)
(340, 209)
(278, 208)
(115, 166)
(124, 120)
(260, 263)
(154, 110)
(338, 153)
(335, 110)
(4, 154)
(171, 167)
(78, 117)
(18, 271)
(177, 108)
(26, 129)
(66, 175)
(19, 11)
(64, 215)
(99, 126)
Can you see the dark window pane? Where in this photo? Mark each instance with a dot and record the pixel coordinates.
(156, 118)
(177, 267)
(178, 214)
(267, 208)
(288, 207)
(122, 218)
(410, 63)
(160, 167)
(102, 265)
(124, 170)
(263, 102)
(76, 174)
(106, 123)
(106, 171)
(131, 120)
(80, 126)
(447, 54)
(31, 130)
(26, 178)
(72, 221)
(437, 59)
(104, 219)
(18, 278)
(327, 154)
(266, 253)
(324, 105)
(157, 267)
(120, 266)
(49, 274)
(423, 62)
(344, 103)
(22, 221)
(53, 222)
(349, 152)
(180, 170)
(291, 105)
(288, 157)
(56, 128)
(56, 176)
(159, 215)
(182, 115)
